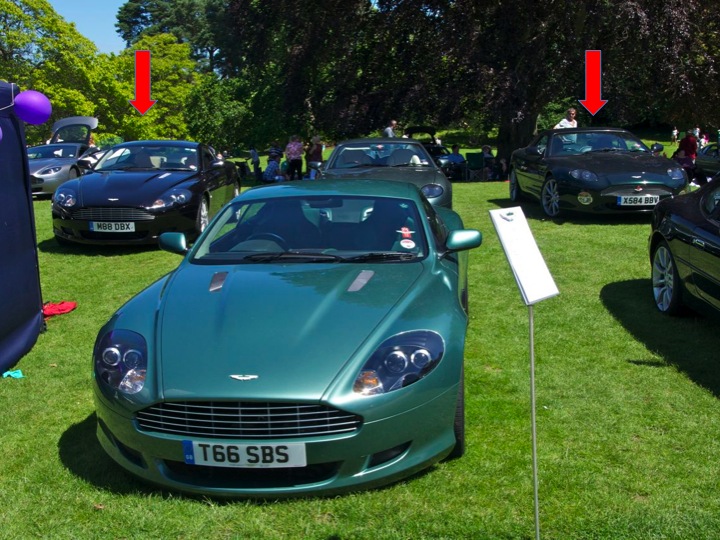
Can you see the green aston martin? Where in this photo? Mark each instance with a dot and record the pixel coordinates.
(310, 342)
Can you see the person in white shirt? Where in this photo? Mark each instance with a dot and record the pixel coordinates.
(569, 120)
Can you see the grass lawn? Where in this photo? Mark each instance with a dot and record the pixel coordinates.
(628, 410)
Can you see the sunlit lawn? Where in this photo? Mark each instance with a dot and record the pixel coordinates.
(628, 411)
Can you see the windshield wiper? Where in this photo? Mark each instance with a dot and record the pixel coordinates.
(293, 256)
(381, 256)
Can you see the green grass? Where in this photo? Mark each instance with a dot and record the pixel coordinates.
(627, 401)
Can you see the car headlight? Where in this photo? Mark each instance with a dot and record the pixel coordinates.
(65, 197)
(400, 361)
(584, 174)
(172, 198)
(121, 361)
(432, 191)
(676, 173)
(49, 170)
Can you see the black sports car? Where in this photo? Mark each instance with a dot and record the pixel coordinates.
(596, 170)
(141, 189)
(685, 250)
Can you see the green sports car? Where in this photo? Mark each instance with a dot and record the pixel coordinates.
(310, 342)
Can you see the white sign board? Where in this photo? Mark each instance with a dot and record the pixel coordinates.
(528, 266)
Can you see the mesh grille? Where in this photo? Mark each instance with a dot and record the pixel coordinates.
(112, 214)
(246, 420)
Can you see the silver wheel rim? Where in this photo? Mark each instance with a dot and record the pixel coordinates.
(203, 221)
(551, 198)
(663, 278)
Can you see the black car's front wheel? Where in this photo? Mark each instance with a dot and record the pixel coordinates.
(203, 216)
(550, 197)
(516, 193)
(665, 280)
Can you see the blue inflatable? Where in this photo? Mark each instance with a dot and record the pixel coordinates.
(21, 317)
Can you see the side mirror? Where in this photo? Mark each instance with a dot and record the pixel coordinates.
(174, 242)
(533, 151)
(657, 148)
(463, 239)
(85, 163)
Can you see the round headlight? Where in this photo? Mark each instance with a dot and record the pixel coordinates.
(111, 356)
(133, 358)
(396, 362)
(421, 358)
(65, 198)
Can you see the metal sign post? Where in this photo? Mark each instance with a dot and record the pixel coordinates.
(535, 283)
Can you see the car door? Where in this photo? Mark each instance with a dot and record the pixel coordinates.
(706, 244)
(708, 160)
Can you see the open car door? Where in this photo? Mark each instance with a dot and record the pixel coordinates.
(21, 315)
(76, 129)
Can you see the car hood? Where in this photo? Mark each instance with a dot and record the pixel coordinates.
(291, 328)
(36, 165)
(419, 176)
(613, 163)
(127, 187)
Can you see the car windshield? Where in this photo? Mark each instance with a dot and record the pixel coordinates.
(574, 143)
(53, 151)
(164, 157)
(336, 229)
(400, 154)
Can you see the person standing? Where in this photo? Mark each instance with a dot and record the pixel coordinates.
(689, 145)
(569, 121)
(294, 155)
(675, 132)
(390, 130)
(314, 155)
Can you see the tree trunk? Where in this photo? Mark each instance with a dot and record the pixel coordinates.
(516, 130)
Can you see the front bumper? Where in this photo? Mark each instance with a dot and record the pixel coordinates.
(379, 452)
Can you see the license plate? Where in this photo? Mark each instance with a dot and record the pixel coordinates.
(638, 200)
(112, 226)
(245, 455)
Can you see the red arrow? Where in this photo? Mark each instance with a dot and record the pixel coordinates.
(142, 101)
(593, 101)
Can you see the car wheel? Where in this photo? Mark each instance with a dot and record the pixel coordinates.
(459, 422)
(203, 216)
(550, 198)
(73, 174)
(515, 192)
(665, 280)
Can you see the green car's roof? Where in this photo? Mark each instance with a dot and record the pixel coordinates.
(364, 187)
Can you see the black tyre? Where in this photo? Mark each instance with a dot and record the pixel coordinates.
(665, 280)
(516, 194)
(459, 423)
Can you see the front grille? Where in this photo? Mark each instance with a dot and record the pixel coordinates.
(112, 214)
(246, 420)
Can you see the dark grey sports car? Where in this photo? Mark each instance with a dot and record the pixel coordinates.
(684, 250)
(140, 189)
(595, 170)
(398, 159)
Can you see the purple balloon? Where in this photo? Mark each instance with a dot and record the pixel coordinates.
(32, 107)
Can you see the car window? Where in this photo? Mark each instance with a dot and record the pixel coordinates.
(337, 228)
(400, 154)
(52, 151)
(542, 144)
(148, 156)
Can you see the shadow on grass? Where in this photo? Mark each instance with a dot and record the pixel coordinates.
(80, 451)
(90, 250)
(689, 342)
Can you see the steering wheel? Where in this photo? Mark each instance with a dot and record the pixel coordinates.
(279, 240)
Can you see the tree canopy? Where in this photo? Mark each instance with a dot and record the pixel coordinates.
(241, 72)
